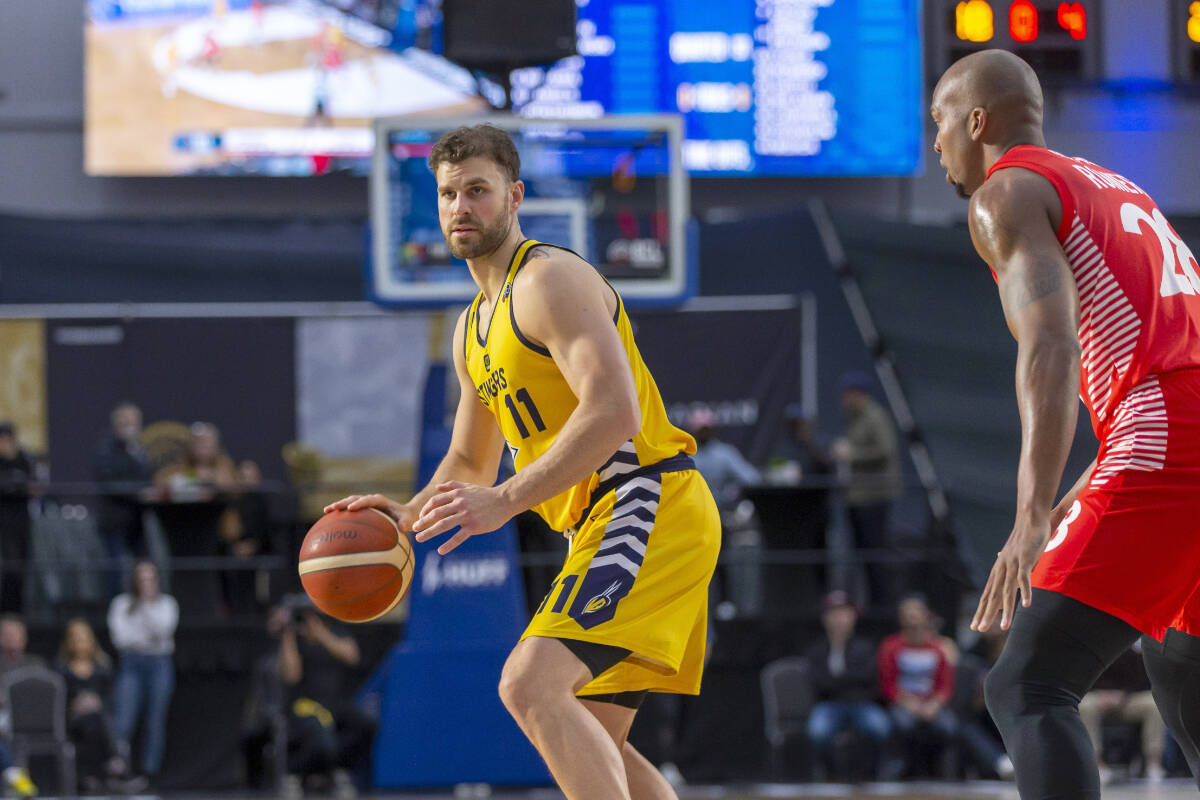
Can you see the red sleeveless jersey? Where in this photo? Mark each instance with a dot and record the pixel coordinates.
(1139, 288)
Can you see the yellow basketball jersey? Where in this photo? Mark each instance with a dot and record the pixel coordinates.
(519, 382)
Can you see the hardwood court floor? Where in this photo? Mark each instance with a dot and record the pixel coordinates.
(977, 790)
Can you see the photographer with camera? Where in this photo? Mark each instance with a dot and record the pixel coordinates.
(326, 733)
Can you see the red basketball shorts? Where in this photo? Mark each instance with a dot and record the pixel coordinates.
(1130, 544)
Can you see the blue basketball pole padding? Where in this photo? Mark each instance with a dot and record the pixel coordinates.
(441, 719)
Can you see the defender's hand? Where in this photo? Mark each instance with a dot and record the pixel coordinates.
(1010, 575)
(399, 512)
(473, 509)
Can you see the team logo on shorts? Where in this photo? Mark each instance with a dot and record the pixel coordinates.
(601, 600)
(618, 559)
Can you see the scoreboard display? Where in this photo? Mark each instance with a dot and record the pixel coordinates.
(765, 87)
(1185, 36)
(289, 87)
(1059, 39)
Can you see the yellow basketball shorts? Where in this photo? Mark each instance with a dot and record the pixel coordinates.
(637, 577)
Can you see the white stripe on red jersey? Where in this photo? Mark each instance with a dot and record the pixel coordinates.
(1139, 303)
(1108, 325)
(1137, 438)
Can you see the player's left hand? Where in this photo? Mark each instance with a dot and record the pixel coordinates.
(473, 509)
(1010, 574)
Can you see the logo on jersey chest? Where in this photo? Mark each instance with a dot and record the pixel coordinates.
(487, 361)
(493, 384)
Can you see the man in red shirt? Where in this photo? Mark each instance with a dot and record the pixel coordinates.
(917, 681)
(1103, 298)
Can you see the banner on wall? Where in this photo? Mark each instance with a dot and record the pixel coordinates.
(740, 362)
(23, 380)
(358, 384)
(235, 373)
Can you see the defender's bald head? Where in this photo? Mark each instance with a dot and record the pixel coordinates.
(995, 80)
(984, 105)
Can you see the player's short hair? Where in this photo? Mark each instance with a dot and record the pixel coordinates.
(488, 141)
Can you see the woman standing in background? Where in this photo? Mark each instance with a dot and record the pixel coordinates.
(142, 626)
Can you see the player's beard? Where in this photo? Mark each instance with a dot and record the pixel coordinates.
(488, 240)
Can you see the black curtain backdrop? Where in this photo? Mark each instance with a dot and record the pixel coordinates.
(238, 374)
(211, 260)
(743, 365)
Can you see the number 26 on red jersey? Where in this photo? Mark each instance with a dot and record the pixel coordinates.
(1179, 265)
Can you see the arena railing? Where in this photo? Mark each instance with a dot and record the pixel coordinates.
(764, 570)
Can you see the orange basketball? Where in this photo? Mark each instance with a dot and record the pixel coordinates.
(356, 565)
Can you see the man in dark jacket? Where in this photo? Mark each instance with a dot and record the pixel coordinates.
(16, 479)
(843, 670)
(870, 457)
(122, 471)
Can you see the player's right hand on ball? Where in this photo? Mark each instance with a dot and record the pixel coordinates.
(357, 502)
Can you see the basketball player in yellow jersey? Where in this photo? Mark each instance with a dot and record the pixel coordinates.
(548, 366)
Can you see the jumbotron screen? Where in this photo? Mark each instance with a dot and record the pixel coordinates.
(288, 87)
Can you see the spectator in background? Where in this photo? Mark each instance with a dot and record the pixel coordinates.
(141, 624)
(199, 504)
(723, 466)
(326, 732)
(1123, 693)
(800, 457)
(727, 472)
(16, 484)
(916, 676)
(977, 731)
(244, 534)
(15, 778)
(87, 671)
(122, 471)
(845, 683)
(206, 471)
(13, 640)
(869, 453)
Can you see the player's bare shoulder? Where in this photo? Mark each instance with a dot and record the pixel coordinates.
(553, 280)
(543, 259)
(1011, 204)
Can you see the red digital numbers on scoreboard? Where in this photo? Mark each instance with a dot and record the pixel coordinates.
(1023, 21)
(1052, 35)
(973, 20)
(1073, 19)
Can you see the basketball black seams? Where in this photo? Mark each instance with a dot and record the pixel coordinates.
(344, 532)
(333, 536)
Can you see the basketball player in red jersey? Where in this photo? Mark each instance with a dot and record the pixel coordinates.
(1104, 300)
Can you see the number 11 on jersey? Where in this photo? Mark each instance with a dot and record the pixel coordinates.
(531, 411)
